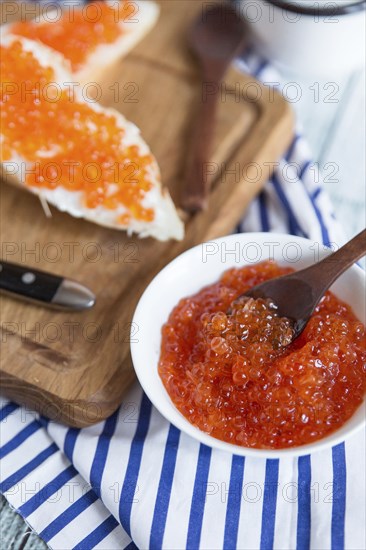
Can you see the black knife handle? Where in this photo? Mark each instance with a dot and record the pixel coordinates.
(40, 286)
(28, 282)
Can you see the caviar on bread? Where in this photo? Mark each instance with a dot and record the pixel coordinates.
(82, 158)
(90, 36)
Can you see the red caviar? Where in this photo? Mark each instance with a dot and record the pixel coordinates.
(65, 141)
(232, 376)
(78, 32)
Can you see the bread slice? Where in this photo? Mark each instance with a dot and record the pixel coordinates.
(75, 29)
(72, 130)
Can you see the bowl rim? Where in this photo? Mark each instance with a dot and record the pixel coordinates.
(180, 421)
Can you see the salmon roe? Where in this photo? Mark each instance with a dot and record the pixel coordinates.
(227, 369)
(78, 32)
(66, 142)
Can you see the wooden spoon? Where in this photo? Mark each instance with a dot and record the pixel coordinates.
(297, 295)
(216, 37)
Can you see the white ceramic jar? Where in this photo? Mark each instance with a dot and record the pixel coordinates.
(320, 37)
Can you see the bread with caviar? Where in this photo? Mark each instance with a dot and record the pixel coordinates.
(80, 157)
(91, 37)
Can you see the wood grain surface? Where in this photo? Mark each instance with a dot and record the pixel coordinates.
(74, 368)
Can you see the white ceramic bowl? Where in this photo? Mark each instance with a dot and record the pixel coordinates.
(312, 37)
(203, 265)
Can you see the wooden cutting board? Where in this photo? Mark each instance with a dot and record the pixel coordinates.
(75, 367)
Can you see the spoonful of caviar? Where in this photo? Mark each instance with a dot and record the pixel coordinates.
(291, 299)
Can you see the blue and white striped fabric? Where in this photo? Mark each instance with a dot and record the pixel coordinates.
(136, 481)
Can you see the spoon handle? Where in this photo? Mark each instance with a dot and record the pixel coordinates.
(197, 180)
(325, 272)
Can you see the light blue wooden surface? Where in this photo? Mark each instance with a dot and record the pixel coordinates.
(333, 117)
(14, 532)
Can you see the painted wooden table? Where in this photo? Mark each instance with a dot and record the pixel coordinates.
(333, 117)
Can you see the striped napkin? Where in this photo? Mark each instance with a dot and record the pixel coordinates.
(135, 481)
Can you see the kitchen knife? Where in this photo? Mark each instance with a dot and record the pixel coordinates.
(45, 288)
